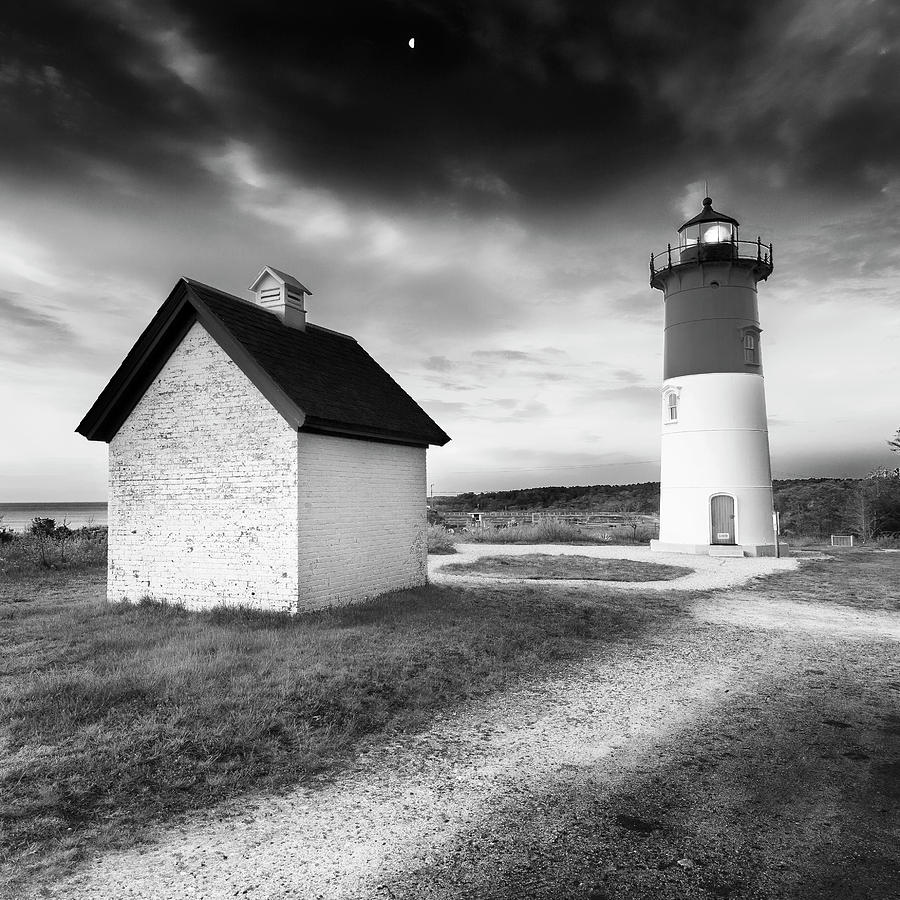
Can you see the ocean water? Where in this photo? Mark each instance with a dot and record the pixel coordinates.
(18, 516)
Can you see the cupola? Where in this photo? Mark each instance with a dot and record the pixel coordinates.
(281, 294)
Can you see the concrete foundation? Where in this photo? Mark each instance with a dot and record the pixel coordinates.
(740, 550)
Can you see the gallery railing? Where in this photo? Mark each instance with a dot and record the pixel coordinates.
(756, 253)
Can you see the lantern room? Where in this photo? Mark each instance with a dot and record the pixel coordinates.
(709, 235)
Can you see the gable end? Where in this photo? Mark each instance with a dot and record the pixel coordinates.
(152, 350)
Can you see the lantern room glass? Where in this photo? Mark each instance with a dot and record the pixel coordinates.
(708, 233)
(708, 240)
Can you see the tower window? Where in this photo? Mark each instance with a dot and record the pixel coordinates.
(672, 406)
(751, 349)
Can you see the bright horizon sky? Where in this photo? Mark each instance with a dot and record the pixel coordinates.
(478, 211)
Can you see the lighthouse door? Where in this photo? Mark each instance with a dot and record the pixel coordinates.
(721, 508)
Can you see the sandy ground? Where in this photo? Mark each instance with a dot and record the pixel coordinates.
(710, 572)
(745, 747)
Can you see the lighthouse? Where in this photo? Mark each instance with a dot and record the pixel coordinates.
(716, 477)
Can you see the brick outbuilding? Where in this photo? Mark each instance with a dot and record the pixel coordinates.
(258, 459)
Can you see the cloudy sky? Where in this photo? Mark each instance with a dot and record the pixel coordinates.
(477, 210)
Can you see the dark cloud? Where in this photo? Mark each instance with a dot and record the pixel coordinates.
(29, 335)
(644, 305)
(438, 364)
(629, 376)
(500, 104)
(505, 356)
(82, 91)
(447, 385)
(547, 375)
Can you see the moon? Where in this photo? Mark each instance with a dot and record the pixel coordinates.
(412, 43)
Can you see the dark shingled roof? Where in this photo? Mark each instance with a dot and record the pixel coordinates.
(319, 380)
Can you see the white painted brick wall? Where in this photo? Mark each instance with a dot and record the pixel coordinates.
(362, 519)
(206, 483)
(203, 489)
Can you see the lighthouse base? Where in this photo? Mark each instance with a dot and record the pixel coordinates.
(714, 549)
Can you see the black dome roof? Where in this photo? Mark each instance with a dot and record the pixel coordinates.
(708, 214)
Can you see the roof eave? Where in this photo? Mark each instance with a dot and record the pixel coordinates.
(315, 425)
(153, 348)
(708, 214)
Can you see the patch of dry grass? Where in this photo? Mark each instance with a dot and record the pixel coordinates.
(868, 579)
(20, 554)
(440, 540)
(551, 531)
(540, 566)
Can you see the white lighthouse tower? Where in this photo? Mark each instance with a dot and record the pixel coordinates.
(716, 478)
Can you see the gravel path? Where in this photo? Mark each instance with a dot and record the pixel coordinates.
(523, 794)
(710, 572)
(405, 803)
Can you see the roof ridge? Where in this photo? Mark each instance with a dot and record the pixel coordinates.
(342, 334)
(215, 290)
(209, 287)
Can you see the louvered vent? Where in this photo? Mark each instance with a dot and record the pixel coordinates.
(282, 295)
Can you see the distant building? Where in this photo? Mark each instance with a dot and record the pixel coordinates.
(258, 459)
(716, 478)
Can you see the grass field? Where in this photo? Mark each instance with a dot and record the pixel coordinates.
(121, 716)
(117, 718)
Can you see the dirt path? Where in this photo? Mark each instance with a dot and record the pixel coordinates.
(746, 749)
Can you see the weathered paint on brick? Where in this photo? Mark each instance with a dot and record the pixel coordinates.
(214, 498)
(203, 489)
(362, 518)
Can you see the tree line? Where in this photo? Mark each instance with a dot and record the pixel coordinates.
(817, 507)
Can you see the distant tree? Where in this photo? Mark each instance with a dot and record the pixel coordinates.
(873, 507)
(43, 530)
(812, 506)
(631, 517)
(859, 516)
(62, 533)
(884, 472)
(48, 535)
(435, 518)
(894, 442)
(41, 526)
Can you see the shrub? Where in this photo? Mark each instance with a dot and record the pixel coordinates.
(440, 540)
(52, 547)
(43, 527)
